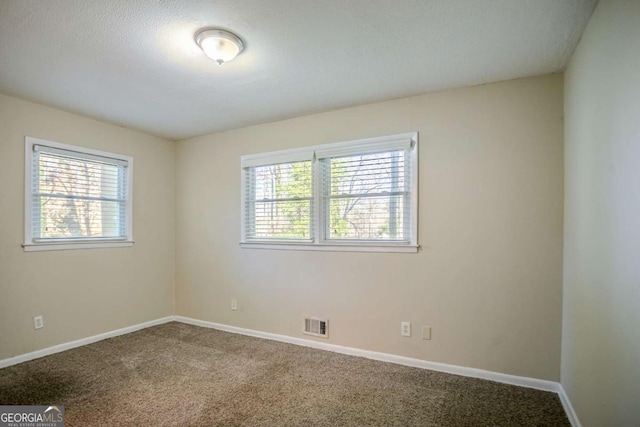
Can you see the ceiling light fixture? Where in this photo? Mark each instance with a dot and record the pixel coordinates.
(219, 45)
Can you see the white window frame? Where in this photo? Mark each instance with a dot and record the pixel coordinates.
(315, 153)
(63, 244)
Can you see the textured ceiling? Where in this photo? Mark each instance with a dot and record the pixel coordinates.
(135, 63)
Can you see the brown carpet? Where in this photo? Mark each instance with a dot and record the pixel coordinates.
(183, 375)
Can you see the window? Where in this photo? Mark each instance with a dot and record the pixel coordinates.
(76, 197)
(353, 196)
(280, 202)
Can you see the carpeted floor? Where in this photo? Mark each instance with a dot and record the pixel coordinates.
(183, 375)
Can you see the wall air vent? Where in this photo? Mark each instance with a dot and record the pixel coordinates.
(316, 327)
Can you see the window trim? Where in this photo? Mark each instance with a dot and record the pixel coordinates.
(319, 243)
(30, 244)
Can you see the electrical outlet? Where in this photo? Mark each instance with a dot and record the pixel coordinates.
(234, 304)
(38, 322)
(426, 332)
(405, 329)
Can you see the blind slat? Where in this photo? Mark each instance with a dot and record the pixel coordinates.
(74, 197)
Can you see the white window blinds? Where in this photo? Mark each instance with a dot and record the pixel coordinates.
(353, 195)
(367, 196)
(78, 196)
(279, 201)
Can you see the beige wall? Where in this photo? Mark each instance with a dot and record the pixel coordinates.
(488, 276)
(601, 328)
(82, 293)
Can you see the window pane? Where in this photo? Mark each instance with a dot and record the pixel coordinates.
(283, 181)
(78, 198)
(371, 173)
(76, 218)
(367, 218)
(64, 175)
(279, 201)
(366, 196)
(282, 220)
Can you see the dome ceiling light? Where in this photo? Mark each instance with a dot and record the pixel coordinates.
(219, 45)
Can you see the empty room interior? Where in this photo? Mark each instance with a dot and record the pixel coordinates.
(320, 213)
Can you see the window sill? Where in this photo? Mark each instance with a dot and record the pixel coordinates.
(61, 246)
(333, 247)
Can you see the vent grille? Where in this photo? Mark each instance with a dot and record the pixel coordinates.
(316, 327)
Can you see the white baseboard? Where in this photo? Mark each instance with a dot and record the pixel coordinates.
(78, 343)
(384, 357)
(568, 407)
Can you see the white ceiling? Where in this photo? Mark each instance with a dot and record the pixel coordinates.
(135, 63)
